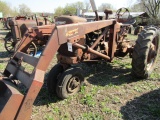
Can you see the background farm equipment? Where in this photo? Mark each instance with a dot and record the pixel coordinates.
(18, 27)
(6, 20)
(141, 21)
(74, 41)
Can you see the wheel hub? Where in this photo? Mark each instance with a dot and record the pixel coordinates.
(13, 43)
(73, 84)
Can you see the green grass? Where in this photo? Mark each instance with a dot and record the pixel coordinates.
(132, 37)
(88, 100)
(91, 116)
(155, 75)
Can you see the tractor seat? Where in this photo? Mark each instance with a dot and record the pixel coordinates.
(130, 22)
(66, 19)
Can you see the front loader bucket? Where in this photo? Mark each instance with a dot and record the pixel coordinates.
(10, 100)
(16, 104)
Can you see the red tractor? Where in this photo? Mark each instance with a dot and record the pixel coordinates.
(18, 26)
(74, 41)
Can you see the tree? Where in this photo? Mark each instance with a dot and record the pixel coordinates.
(24, 9)
(87, 6)
(58, 11)
(152, 7)
(103, 6)
(69, 9)
(14, 11)
(78, 5)
(5, 9)
(137, 7)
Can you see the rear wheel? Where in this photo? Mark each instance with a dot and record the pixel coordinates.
(16, 46)
(7, 25)
(31, 49)
(9, 44)
(145, 52)
(130, 29)
(138, 30)
(70, 82)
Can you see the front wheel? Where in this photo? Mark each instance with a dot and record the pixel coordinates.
(145, 52)
(70, 82)
(53, 76)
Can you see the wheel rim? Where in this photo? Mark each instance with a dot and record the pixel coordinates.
(32, 49)
(152, 53)
(73, 84)
(10, 44)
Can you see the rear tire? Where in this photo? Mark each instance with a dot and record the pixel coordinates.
(31, 49)
(145, 52)
(138, 30)
(7, 25)
(130, 29)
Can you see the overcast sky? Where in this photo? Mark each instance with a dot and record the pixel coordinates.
(50, 5)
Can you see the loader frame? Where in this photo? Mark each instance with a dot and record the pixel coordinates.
(70, 33)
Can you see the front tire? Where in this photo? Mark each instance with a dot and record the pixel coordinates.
(145, 52)
(70, 82)
(53, 76)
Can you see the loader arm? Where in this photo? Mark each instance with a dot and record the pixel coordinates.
(33, 81)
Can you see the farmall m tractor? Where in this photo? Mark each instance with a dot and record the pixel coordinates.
(74, 42)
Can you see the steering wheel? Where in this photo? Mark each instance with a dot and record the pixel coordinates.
(122, 15)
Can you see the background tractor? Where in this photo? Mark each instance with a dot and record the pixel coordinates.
(18, 26)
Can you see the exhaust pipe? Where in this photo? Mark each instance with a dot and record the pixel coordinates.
(94, 8)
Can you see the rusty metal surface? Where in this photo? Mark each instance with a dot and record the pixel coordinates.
(92, 51)
(10, 100)
(25, 109)
(38, 35)
(80, 29)
(100, 37)
(65, 19)
(19, 27)
(41, 30)
(33, 82)
(60, 35)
